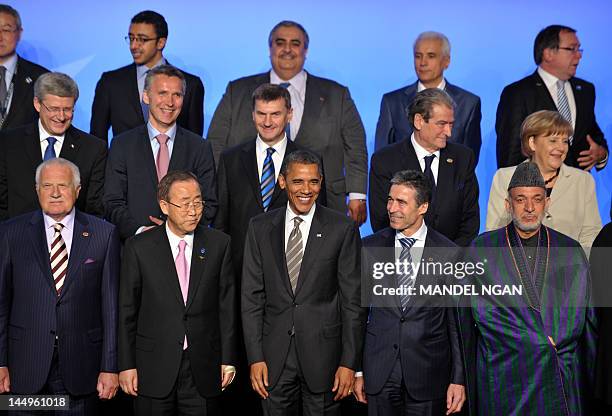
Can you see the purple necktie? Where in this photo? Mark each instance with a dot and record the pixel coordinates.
(183, 274)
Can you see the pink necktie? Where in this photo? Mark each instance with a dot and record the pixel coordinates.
(183, 274)
(163, 156)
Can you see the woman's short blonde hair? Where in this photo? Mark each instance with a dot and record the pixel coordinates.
(543, 123)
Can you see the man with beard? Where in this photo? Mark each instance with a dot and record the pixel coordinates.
(534, 351)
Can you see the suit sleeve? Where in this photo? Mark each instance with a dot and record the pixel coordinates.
(100, 111)
(196, 108)
(472, 135)
(384, 126)
(597, 135)
(470, 217)
(3, 181)
(377, 198)
(95, 191)
(205, 171)
(5, 294)
(110, 295)
(228, 309)
(349, 283)
(130, 291)
(510, 115)
(497, 216)
(591, 224)
(221, 124)
(222, 219)
(253, 298)
(457, 373)
(355, 150)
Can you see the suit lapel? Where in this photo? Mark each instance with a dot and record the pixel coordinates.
(197, 269)
(81, 236)
(562, 186)
(32, 146)
(446, 178)
(20, 83)
(40, 247)
(543, 93)
(178, 159)
(134, 94)
(277, 243)
(313, 103)
(251, 173)
(291, 147)
(316, 240)
(579, 100)
(144, 148)
(70, 147)
(165, 263)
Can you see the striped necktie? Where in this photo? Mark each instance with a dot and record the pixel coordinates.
(294, 253)
(405, 280)
(59, 258)
(267, 179)
(563, 103)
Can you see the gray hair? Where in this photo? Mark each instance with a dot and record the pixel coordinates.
(415, 180)
(55, 83)
(5, 8)
(289, 23)
(425, 100)
(58, 161)
(305, 157)
(167, 70)
(446, 48)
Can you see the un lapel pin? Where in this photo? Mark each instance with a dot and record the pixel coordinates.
(449, 160)
(202, 253)
(85, 234)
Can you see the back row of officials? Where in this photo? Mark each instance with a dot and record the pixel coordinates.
(267, 117)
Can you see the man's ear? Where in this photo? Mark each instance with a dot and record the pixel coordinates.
(281, 181)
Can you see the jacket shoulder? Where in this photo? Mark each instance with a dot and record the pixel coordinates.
(250, 80)
(30, 67)
(400, 92)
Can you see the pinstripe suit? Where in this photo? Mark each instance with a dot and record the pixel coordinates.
(83, 317)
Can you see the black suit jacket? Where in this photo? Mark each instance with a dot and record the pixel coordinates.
(130, 191)
(21, 110)
(529, 95)
(324, 313)
(20, 154)
(393, 124)
(83, 317)
(117, 104)
(424, 335)
(455, 211)
(153, 319)
(330, 127)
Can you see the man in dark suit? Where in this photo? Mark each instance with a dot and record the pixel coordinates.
(140, 157)
(431, 58)
(118, 101)
(453, 210)
(17, 75)
(301, 315)
(553, 86)
(24, 148)
(59, 278)
(324, 120)
(178, 311)
(412, 361)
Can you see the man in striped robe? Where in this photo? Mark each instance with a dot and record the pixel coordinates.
(529, 354)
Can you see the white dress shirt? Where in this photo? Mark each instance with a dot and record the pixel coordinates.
(67, 231)
(421, 87)
(304, 225)
(551, 83)
(420, 235)
(297, 90)
(44, 135)
(261, 151)
(421, 153)
(174, 245)
(11, 68)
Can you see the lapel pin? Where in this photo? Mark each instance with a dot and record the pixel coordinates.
(72, 145)
(449, 160)
(578, 87)
(321, 99)
(319, 235)
(202, 252)
(85, 234)
(28, 80)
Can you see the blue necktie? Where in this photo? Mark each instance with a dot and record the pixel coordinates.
(288, 126)
(406, 278)
(50, 150)
(563, 103)
(267, 179)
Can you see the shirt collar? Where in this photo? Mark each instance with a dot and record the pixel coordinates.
(548, 78)
(290, 215)
(279, 147)
(419, 235)
(11, 64)
(421, 87)
(141, 70)
(44, 134)
(298, 81)
(67, 221)
(420, 150)
(175, 239)
(153, 132)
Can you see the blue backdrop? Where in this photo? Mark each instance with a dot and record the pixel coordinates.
(365, 45)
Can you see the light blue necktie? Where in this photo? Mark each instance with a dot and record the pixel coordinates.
(405, 280)
(50, 150)
(285, 85)
(267, 179)
(563, 103)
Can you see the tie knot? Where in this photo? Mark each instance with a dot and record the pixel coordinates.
(270, 150)
(284, 84)
(561, 84)
(58, 227)
(182, 244)
(162, 138)
(51, 141)
(407, 242)
(428, 160)
(297, 221)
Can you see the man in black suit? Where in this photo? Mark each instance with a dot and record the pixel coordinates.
(325, 119)
(119, 100)
(23, 149)
(431, 58)
(178, 311)
(301, 315)
(59, 280)
(17, 75)
(453, 210)
(553, 86)
(140, 157)
(412, 361)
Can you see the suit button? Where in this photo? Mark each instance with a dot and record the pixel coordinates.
(394, 346)
(402, 320)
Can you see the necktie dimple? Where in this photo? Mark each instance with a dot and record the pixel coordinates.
(429, 173)
(163, 156)
(294, 253)
(406, 279)
(267, 179)
(183, 275)
(50, 150)
(563, 103)
(3, 90)
(58, 257)
(285, 85)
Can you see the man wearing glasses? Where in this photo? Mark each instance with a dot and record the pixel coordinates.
(23, 149)
(553, 86)
(118, 102)
(139, 158)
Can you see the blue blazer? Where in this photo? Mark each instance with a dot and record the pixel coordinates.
(83, 317)
(393, 125)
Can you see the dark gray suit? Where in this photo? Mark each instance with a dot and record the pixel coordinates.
(330, 127)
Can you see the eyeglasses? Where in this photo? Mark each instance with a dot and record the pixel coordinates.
(68, 111)
(197, 206)
(574, 49)
(138, 39)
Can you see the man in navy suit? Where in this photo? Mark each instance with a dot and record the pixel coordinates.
(412, 362)
(431, 58)
(59, 273)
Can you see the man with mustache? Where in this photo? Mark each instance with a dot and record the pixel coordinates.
(119, 100)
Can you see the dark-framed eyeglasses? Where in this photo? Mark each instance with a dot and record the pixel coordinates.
(57, 110)
(140, 40)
